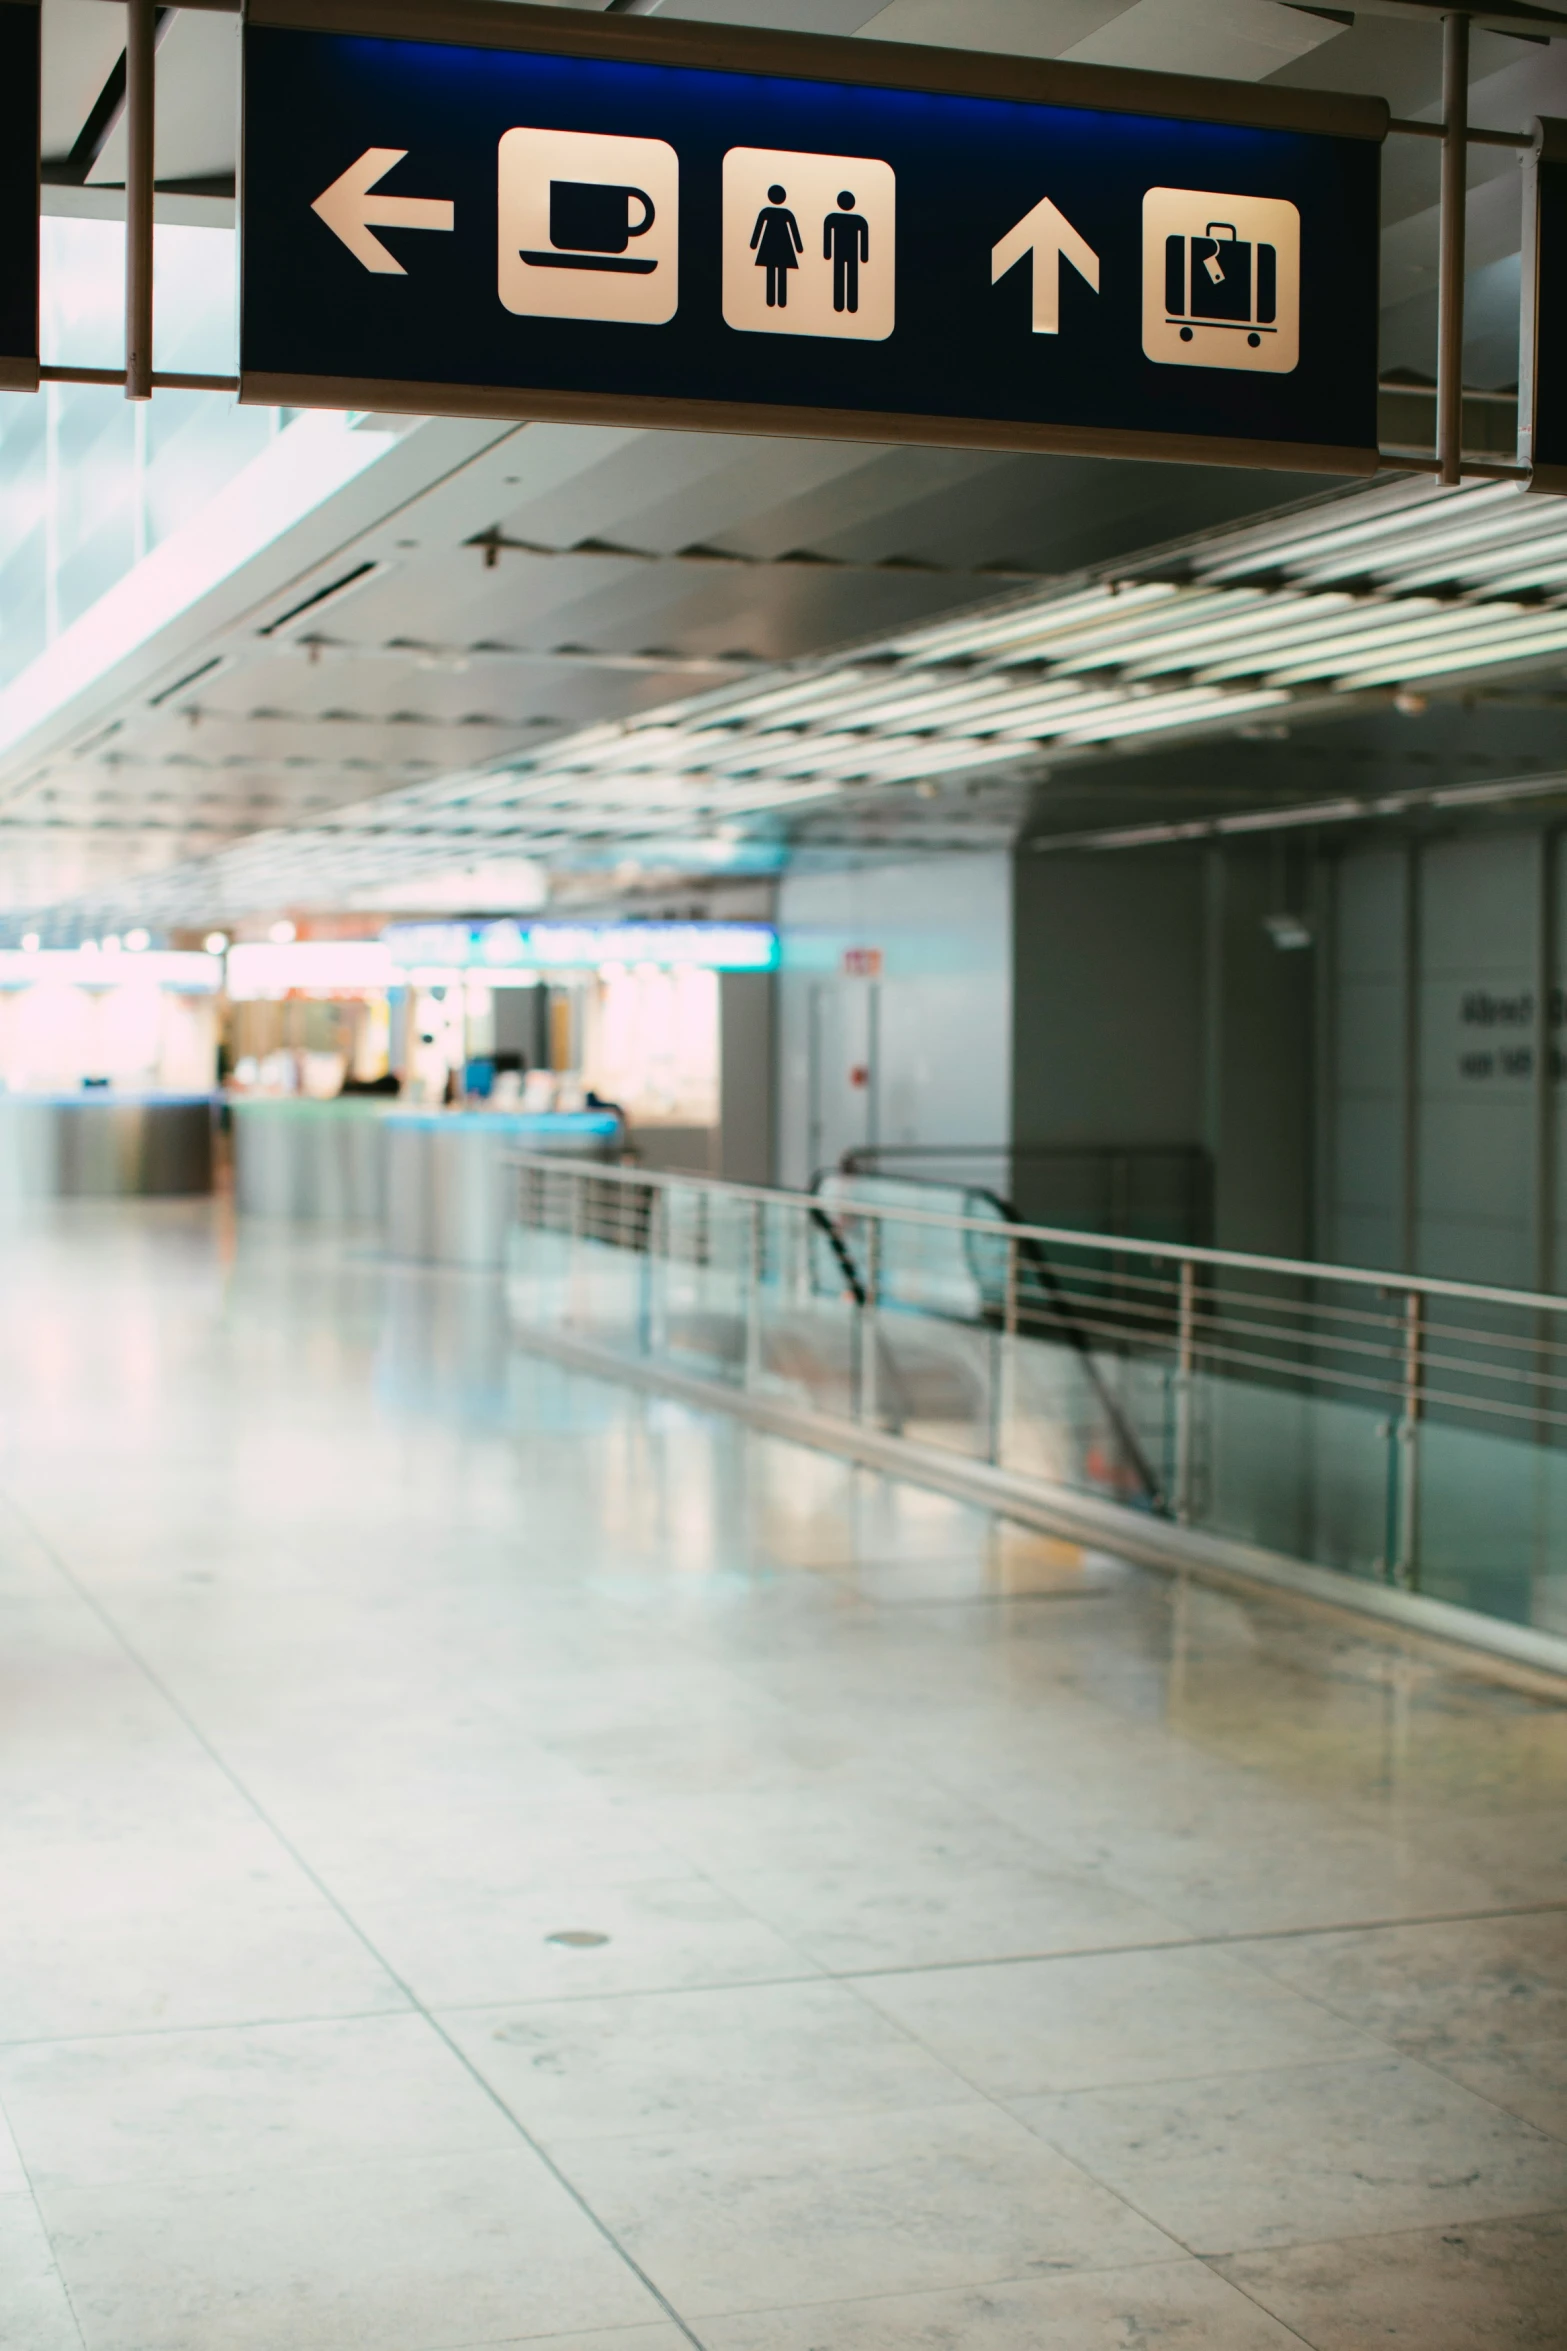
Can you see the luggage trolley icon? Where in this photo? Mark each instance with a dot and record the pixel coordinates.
(1221, 280)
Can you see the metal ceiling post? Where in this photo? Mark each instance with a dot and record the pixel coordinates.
(1450, 283)
(140, 103)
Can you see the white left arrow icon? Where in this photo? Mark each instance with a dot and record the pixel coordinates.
(1051, 238)
(351, 211)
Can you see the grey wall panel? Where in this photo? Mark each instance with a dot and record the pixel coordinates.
(1109, 962)
(1365, 1157)
(1473, 889)
(1369, 1010)
(1367, 1239)
(1474, 1158)
(1455, 984)
(1260, 1046)
(1370, 912)
(1474, 1249)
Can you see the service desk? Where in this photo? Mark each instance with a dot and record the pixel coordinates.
(449, 1191)
(312, 1160)
(103, 1145)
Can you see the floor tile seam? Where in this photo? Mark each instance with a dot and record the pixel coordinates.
(1557, 2137)
(528, 2000)
(1356, 2236)
(155, 1682)
(1195, 1941)
(998, 2105)
(169, 2032)
(1177, 2258)
(1210, 2264)
(30, 2193)
(1424, 2228)
(960, 2099)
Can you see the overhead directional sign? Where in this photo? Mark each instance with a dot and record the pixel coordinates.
(19, 50)
(491, 209)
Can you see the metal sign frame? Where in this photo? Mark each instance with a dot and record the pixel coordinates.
(513, 26)
(21, 65)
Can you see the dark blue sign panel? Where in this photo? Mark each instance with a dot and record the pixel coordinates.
(19, 195)
(516, 231)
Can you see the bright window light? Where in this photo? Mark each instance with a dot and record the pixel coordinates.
(314, 966)
(85, 967)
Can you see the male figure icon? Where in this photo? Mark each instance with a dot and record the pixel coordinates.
(776, 241)
(846, 242)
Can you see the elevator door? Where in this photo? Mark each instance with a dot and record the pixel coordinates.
(844, 1113)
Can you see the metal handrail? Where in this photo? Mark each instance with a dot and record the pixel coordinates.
(1071, 1237)
(1178, 1346)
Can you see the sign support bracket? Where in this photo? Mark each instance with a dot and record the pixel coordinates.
(140, 108)
(1450, 282)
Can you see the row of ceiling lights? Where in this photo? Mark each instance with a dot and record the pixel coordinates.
(1404, 583)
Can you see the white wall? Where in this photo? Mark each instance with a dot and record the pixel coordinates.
(935, 1030)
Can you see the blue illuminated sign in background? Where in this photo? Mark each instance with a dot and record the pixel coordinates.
(587, 226)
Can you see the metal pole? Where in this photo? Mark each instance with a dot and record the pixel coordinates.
(869, 1399)
(1006, 1399)
(1185, 1367)
(140, 34)
(1450, 284)
(1406, 1554)
(753, 1295)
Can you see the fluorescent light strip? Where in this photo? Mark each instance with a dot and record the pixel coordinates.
(1462, 661)
(1180, 710)
(1278, 612)
(1338, 537)
(1436, 645)
(1479, 541)
(1324, 648)
(977, 636)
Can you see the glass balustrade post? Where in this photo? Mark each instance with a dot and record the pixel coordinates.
(657, 1270)
(869, 1383)
(577, 1256)
(1006, 1378)
(1406, 1543)
(756, 1241)
(1185, 1383)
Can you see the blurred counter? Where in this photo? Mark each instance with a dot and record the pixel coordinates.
(311, 1159)
(449, 1192)
(103, 1145)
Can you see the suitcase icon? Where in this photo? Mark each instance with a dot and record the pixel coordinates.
(1221, 280)
(1220, 277)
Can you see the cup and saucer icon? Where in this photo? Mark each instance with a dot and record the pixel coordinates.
(588, 226)
(591, 225)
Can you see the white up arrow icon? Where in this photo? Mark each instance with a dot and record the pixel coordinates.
(1051, 238)
(351, 211)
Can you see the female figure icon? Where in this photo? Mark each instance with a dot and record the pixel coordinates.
(777, 243)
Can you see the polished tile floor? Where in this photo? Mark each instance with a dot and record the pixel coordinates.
(487, 1857)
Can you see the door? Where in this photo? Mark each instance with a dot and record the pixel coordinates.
(843, 1080)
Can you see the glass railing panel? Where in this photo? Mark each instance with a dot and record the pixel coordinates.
(1360, 1424)
(1493, 1524)
(701, 1274)
(803, 1348)
(1295, 1472)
